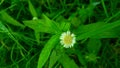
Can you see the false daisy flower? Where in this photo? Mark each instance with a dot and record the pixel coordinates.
(67, 39)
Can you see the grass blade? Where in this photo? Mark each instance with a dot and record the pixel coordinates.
(32, 9)
(9, 19)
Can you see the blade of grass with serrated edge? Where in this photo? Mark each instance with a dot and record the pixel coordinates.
(44, 55)
(98, 30)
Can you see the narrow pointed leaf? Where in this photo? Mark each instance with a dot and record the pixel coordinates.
(53, 59)
(32, 9)
(44, 55)
(97, 30)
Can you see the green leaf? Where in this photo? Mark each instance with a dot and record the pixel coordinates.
(4, 16)
(44, 55)
(86, 28)
(53, 59)
(65, 26)
(94, 30)
(43, 25)
(113, 33)
(80, 57)
(39, 26)
(53, 25)
(94, 45)
(67, 62)
(32, 9)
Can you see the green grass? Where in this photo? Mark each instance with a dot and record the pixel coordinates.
(30, 32)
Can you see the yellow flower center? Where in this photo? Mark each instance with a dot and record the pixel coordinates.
(68, 39)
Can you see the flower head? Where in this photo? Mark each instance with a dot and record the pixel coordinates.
(67, 39)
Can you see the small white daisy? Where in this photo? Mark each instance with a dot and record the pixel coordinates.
(67, 39)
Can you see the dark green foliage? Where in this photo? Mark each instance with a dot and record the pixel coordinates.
(30, 32)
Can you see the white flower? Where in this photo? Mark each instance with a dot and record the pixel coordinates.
(67, 39)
